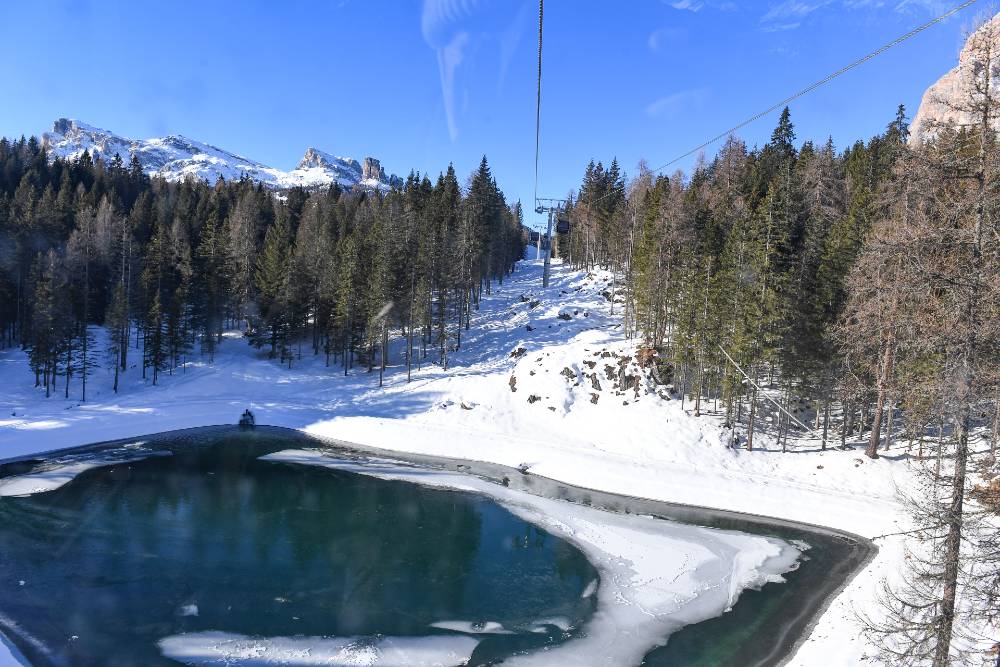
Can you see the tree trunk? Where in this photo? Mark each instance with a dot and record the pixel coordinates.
(753, 414)
(826, 423)
(885, 369)
(953, 545)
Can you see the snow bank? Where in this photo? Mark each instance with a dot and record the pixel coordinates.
(656, 575)
(222, 648)
(63, 470)
(470, 628)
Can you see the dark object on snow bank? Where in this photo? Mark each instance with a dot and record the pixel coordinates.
(247, 419)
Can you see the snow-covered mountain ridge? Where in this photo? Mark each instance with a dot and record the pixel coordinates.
(175, 158)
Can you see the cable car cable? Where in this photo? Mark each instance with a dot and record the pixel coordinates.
(538, 100)
(808, 89)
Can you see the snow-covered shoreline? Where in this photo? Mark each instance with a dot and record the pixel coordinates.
(656, 575)
(649, 448)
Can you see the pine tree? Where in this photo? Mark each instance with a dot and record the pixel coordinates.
(271, 283)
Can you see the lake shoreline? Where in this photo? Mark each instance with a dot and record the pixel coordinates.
(847, 554)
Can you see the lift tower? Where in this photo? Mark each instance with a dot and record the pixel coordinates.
(550, 206)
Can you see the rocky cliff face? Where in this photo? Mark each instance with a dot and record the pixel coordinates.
(176, 157)
(948, 101)
(371, 169)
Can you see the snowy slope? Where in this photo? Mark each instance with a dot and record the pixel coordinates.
(640, 444)
(175, 158)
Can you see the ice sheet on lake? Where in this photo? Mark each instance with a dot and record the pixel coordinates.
(656, 576)
(470, 628)
(63, 470)
(223, 648)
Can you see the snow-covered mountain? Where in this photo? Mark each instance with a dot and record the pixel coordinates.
(176, 157)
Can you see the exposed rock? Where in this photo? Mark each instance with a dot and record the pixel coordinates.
(947, 100)
(594, 398)
(565, 316)
(568, 373)
(371, 169)
(534, 398)
(645, 356)
(513, 383)
(518, 353)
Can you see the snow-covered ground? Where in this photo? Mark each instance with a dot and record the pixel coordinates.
(641, 444)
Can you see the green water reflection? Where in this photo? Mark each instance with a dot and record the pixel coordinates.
(123, 556)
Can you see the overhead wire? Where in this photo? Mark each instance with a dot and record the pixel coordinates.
(538, 100)
(808, 89)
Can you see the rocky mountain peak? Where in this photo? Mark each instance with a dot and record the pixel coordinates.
(317, 159)
(372, 170)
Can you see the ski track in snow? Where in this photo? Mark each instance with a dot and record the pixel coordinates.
(648, 447)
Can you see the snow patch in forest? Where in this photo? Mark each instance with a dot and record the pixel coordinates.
(656, 576)
(223, 648)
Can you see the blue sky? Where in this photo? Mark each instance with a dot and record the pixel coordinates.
(422, 84)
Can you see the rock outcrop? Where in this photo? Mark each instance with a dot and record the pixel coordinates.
(947, 102)
(371, 169)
